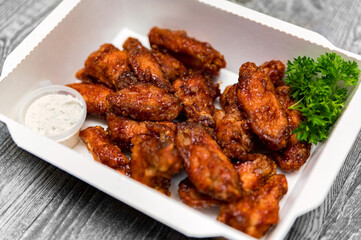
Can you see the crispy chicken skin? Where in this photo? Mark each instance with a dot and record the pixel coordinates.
(171, 67)
(94, 96)
(197, 95)
(155, 158)
(258, 99)
(122, 129)
(257, 212)
(144, 102)
(103, 150)
(207, 167)
(255, 171)
(189, 195)
(229, 99)
(296, 153)
(233, 134)
(145, 66)
(193, 53)
(109, 66)
(275, 69)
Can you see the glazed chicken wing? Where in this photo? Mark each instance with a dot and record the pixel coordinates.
(296, 153)
(155, 158)
(195, 54)
(207, 167)
(256, 213)
(144, 65)
(275, 70)
(229, 99)
(233, 134)
(171, 67)
(109, 66)
(197, 95)
(94, 96)
(122, 129)
(255, 171)
(189, 195)
(103, 150)
(258, 99)
(144, 102)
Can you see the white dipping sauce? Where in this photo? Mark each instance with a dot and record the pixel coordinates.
(53, 114)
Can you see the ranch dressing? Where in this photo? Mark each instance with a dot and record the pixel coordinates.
(53, 114)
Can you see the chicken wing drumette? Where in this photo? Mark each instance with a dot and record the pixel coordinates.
(197, 95)
(207, 167)
(104, 150)
(296, 153)
(144, 102)
(195, 54)
(256, 213)
(258, 99)
(145, 65)
(94, 96)
(155, 158)
(109, 66)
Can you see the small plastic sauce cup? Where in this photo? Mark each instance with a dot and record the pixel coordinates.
(69, 137)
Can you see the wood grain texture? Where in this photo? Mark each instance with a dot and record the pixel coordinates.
(39, 201)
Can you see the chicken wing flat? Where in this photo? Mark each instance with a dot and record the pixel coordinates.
(94, 96)
(275, 70)
(254, 172)
(155, 158)
(144, 65)
(109, 66)
(256, 213)
(144, 102)
(296, 153)
(189, 195)
(103, 150)
(197, 96)
(258, 99)
(233, 134)
(171, 67)
(122, 129)
(207, 167)
(193, 53)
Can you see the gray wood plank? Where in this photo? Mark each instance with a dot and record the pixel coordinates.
(39, 201)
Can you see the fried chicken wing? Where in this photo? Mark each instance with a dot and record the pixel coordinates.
(122, 129)
(258, 99)
(207, 167)
(256, 213)
(144, 102)
(109, 66)
(189, 195)
(275, 70)
(145, 66)
(296, 153)
(233, 134)
(171, 67)
(229, 99)
(197, 95)
(155, 158)
(103, 150)
(255, 171)
(193, 53)
(94, 96)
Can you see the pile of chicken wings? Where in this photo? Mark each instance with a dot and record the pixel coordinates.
(159, 106)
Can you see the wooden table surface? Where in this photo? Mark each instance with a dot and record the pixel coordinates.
(39, 201)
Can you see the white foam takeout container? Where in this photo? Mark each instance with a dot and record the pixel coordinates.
(58, 47)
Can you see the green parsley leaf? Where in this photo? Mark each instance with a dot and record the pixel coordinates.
(319, 89)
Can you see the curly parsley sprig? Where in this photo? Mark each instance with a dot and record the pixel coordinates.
(319, 89)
